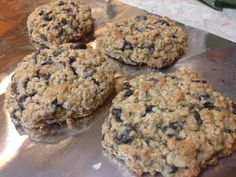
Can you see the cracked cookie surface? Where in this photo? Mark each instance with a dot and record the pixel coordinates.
(58, 22)
(53, 88)
(151, 40)
(174, 124)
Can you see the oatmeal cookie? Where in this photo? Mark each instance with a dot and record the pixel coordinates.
(54, 88)
(173, 124)
(152, 40)
(59, 22)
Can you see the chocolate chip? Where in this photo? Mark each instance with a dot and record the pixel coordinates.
(60, 32)
(64, 21)
(35, 56)
(163, 22)
(128, 92)
(178, 138)
(124, 136)
(132, 59)
(139, 29)
(71, 59)
(41, 12)
(176, 126)
(113, 57)
(43, 37)
(46, 17)
(57, 52)
(173, 129)
(56, 103)
(208, 101)
(73, 4)
(127, 45)
(147, 140)
(95, 82)
(227, 130)
(126, 85)
(173, 169)
(48, 62)
(14, 88)
(170, 135)
(69, 10)
(21, 102)
(116, 112)
(150, 47)
(165, 128)
(163, 142)
(198, 118)
(44, 76)
(87, 74)
(153, 80)
(35, 60)
(141, 18)
(32, 94)
(174, 35)
(73, 69)
(234, 108)
(199, 81)
(79, 46)
(208, 105)
(158, 126)
(62, 64)
(173, 77)
(61, 3)
(205, 97)
(103, 136)
(149, 108)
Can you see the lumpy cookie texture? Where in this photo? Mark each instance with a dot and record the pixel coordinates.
(58, 22)
(174, 124)
(151, 40)
(57, 87)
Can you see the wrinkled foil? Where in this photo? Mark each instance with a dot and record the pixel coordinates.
(212, 57)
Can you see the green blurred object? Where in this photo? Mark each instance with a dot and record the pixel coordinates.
(219, 4)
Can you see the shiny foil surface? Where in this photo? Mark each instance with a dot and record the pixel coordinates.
(81, 156)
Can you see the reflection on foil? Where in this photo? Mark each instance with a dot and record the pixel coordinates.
(4, 83)
(12, 143)
(97, 166)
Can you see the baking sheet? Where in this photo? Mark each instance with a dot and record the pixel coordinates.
(82, 156)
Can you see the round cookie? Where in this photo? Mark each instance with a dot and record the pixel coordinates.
(57, 88)
(59, 22)
(155, 41)
(174, 124)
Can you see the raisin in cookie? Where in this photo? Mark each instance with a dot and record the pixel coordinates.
(155, 41)
(55, 88)
(58, 22)
(174, 124)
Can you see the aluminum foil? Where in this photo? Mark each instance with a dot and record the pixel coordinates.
(82, 156)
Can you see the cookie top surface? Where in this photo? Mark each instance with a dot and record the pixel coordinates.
(57, 84)
(174, 124)
(58, 22)
(151, 40)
